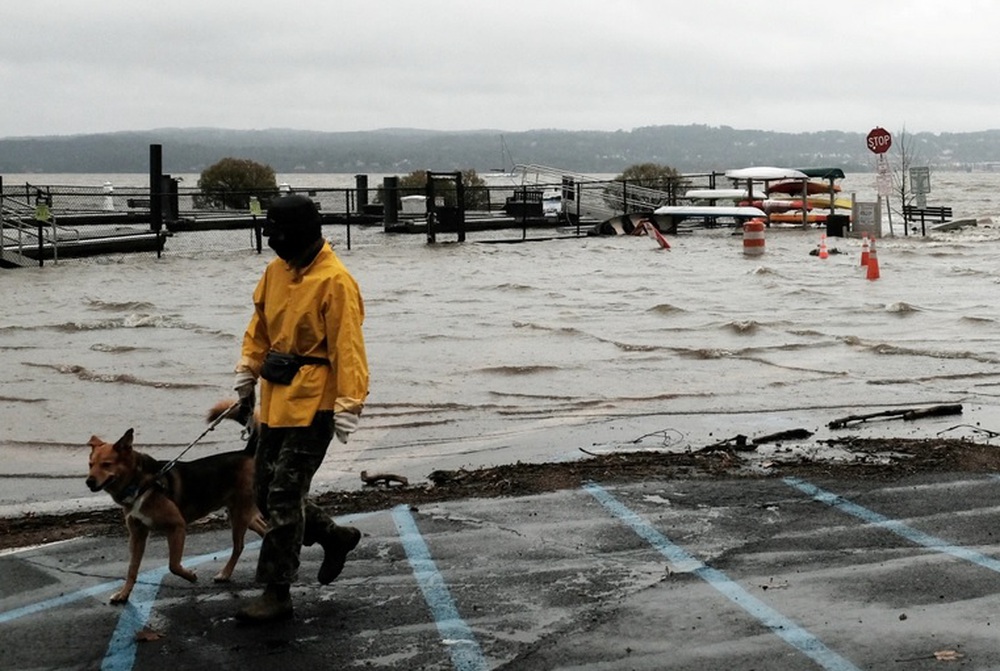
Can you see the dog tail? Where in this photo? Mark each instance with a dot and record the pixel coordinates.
(231, 410)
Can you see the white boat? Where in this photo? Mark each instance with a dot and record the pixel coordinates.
(694, 211)
(765, 174)
(716, 194)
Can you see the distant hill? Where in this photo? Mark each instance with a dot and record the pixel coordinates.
(690, 148)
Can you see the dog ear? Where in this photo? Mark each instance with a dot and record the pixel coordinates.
(124, 443)
(94, 442)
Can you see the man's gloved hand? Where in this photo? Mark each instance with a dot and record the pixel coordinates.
(344, 424)
(245, 385)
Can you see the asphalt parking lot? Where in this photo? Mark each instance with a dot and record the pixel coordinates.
(766, 574)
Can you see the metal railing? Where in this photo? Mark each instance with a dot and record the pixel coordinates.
(589, 197)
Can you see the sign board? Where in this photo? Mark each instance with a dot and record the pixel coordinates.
(879, 140)
(867, 218)
(883, 178)
(920, 181)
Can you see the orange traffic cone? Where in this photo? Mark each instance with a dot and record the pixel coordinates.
(873, 273)
(865, 253)
(823, 253)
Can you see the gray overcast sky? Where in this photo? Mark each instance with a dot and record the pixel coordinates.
(77, 66)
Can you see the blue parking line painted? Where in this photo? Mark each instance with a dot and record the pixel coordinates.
(466, 655)
(793, 634)
(61, 600)
(96, 590)
(895, 526)
(120, 655)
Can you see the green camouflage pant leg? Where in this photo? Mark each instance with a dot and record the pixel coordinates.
(287, 459)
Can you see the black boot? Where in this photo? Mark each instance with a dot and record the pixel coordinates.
(336, 542)
(273, 605)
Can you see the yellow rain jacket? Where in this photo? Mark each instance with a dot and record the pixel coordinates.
(313, 311)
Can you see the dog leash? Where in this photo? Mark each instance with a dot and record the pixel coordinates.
(133, 493)
(215, 422)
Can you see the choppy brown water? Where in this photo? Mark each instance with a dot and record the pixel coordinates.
(483, 353)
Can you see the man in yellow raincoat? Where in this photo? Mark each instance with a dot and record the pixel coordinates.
(305, 342)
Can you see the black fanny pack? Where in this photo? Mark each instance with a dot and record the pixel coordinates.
(281, 368)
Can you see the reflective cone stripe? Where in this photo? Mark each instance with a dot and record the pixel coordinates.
(873, 273)
(653, 232)
(753, 237)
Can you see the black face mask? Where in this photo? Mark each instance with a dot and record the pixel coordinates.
(292, 227)
(291, 244)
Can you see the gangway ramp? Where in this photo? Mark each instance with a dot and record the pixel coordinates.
(591, 197)
(26, 242)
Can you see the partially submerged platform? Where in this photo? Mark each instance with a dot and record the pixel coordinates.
(15, 256)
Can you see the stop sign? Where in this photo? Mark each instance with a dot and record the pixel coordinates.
(879, 140)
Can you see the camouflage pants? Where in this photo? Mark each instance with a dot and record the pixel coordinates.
(286, 460)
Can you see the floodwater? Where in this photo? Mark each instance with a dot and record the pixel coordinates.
(485, 354)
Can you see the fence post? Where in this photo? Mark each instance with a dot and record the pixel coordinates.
(460, 205)
(257, 211)
(2, 242)
(41, 247)
(347, 213)
(155, 187)
(390, 201)
(361, 182)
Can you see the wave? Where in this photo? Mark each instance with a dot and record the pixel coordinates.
(116, 378)
(518, 370)
(14, 399)
(888, 349)
(901, 307)
(566, 330)
(117, 349)
(632, 347)
(744, 327)
(665, 309)
(402, 408)
(708, 353)
(977, 320)
(134, 320)
(935, 378)
(119, 306)
(511, 286)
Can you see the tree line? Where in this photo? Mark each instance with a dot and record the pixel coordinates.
(691, 148)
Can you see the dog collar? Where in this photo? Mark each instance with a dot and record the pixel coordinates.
(134, 491)
(131, 493)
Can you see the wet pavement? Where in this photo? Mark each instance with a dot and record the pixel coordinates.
(767, 574)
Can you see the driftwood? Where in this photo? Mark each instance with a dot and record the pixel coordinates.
(903, 413)
(443, 477)
(383, 479)
(790, 434)
(740, 443)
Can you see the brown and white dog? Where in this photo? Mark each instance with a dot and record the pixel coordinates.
(168, 502)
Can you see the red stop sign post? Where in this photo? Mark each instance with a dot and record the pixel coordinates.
(879, 140)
